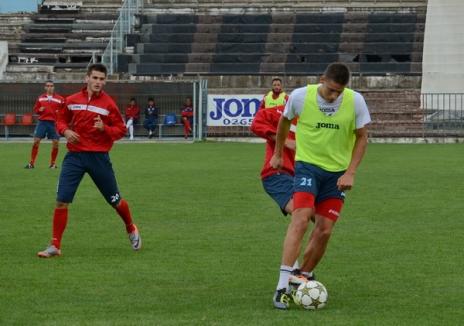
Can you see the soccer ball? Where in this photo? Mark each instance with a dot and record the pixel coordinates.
(311, 295)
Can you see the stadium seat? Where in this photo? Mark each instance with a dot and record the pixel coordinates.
(27, 119)
(9, 120)
(170, 119)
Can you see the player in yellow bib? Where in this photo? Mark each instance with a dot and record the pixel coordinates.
(275, 97)
(331, 139)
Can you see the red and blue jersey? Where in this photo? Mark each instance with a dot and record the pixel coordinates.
(79, 116)
(187, 112)
(51, 105)
(265, 125)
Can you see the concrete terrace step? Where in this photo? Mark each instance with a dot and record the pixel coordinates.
(201, 57)
(64, 28)
(346, 28)
(265, 37)
(283, 47)
(284, 3)
(55, 65)
(88, 16)
(88, 47)
(48, 58)
(64, 37)
(214, 68)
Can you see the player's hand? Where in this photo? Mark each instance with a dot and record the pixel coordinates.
(71, 136)
(345, 182)
(290, 144)
(98, 123)
(276, 161)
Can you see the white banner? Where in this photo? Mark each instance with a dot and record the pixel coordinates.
(232, 110)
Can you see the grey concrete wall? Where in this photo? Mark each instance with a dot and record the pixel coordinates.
(443, 57)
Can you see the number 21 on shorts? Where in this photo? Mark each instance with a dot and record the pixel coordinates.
(306, 182)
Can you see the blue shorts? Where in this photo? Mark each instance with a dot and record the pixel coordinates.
(319, 182)
(99, 168)
(46, 128)
(280, 187)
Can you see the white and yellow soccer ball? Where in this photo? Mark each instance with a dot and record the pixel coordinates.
(311, 295)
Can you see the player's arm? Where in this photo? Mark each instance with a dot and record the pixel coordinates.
(346, 181)
(282, 133)
(38, 108)
(115, 127)
(262, 125)
(64, 116)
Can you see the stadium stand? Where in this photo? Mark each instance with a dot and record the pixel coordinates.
(370, 42)
(62, 35)
(238, 45)
(12, 28)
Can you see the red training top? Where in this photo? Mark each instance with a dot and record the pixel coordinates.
(79, 115)
(265, 125)
(132, 112)
(52, 104)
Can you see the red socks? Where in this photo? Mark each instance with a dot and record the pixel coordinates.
(60, 219)
(35, 150)
(187, 127)
(123, 210)
(54, 155)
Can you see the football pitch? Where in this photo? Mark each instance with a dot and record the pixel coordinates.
(212, 241)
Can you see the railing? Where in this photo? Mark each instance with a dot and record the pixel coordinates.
(443, 113)
(123, 26)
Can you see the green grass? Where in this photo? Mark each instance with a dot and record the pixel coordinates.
(212, 241)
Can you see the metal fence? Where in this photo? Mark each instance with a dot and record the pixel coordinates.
(123, 26)
(19, 98)
(443, 114)
(435, 115)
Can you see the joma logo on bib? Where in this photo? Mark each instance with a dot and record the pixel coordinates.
(327, 125)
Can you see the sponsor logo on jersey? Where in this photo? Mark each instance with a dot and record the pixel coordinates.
(327, 125)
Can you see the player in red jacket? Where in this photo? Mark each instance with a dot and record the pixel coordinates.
(46, 106)
(91, 122)
(132, 115)
(277, 183)
(187, 117)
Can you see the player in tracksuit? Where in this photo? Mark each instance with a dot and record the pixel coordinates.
(187, 117)
(46, 106)
(132, 116)
(278, 184)
(91, 122)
